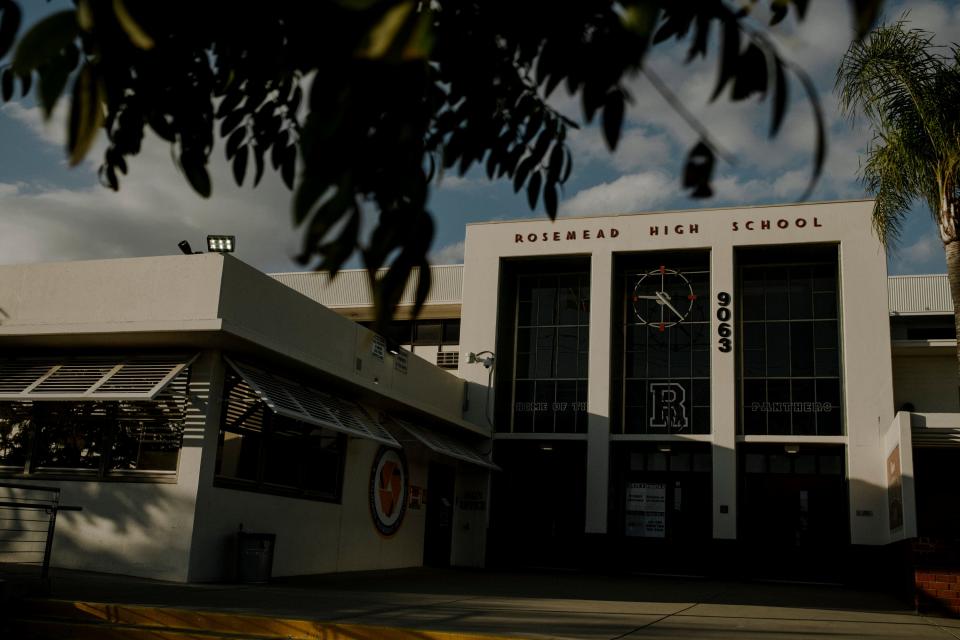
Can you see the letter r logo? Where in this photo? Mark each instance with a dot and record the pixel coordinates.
(669, 406)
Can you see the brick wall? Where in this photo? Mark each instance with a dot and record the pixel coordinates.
(938, 590)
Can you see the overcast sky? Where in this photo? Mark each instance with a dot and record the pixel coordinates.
(51, 212)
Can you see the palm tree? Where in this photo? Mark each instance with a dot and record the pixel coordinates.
(909, 91)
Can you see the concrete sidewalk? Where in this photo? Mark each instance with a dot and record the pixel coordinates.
(539, 605)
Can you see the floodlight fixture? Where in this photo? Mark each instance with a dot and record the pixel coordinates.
(185, 247)
(221, 244)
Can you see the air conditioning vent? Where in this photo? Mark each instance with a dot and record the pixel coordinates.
(448, 359)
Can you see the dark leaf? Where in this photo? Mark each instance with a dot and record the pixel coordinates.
(86, 114)
(779, 98)
(520, 175)
(729, 56)
(276, 153)
(53, 80)
(567, 166)
(613, 118)
(533, 189)
(9, 24)
(44, 41)
(231, 122)
(336, 253)
(108, 177)
(550, 199)
(234, 141)
(802, 7)
(6, 84)
(778, 11)
(194, 167)
(701, 37)
(230, 102)
(820, 148)
(240, 165)
(258, 165)
(556, 163)
(289, 167)
(865, 14)
(699, 170)
(424, 278)
(751, 74)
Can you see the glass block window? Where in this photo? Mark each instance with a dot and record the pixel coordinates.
(552, 343)
(789, 336)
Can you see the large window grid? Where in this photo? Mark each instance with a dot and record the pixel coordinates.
(789, 332)
(677, 355)
(261, 451)
(552, 345)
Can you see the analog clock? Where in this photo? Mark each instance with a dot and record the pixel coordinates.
(662, 298)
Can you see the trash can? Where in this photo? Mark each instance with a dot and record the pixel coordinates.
(255, 556)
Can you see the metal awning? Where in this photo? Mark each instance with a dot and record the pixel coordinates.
(300, 402)
(446, 445)
(89, 377)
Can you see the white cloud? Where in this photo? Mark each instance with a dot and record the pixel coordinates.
(626, 194)
(450, 254)
(154, 209)
(923, 256)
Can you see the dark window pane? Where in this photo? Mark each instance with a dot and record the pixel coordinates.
(525, 289)
(146, 440)
(831, 465)
(755, 463)
(753, 363)
(566, 407)
(825, 305)
(778, 349)
(701, 393)
(702, 462)
(754, 335)
(801, 294)
(778, 410)
(828, 362)
(801, 348)
(566, 352)
(428, 333)
(658, 354)
(544, 397)
(825, 334)
(680, 352)
(701, 363)
(804, 414)
(451, 332)
(545, 300)
(526, 316)
(70, 434)
(583, 364)
(752, 295)
(805, 463)
(15, 428)
(754, 416)
(523, 407)
(282, 452)
(584, 300)
(569, 300)
(680, 462)
(777, 294)
(700, 417)
(824, 278)
(400, 332)
(320, 466)
(829, 415)
(545, 351)
(779, 463)
(582, 415)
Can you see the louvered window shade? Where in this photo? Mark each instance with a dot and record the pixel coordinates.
(89, 377)
(445, 445)
(300, 402)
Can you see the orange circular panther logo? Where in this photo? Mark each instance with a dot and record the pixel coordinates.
(388, 490)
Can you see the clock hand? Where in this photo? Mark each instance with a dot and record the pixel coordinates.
(646, 297)
(664, 299)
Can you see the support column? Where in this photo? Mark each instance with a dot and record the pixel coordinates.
(598, 394)
(723, 397)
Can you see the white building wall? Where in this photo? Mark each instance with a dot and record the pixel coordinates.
(927, 382)
(866, 355)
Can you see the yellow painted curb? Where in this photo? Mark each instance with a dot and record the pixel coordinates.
(121, 621)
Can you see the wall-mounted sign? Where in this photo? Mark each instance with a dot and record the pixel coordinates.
(388, 490)
(646, 510)
(792, 407)
(565, 236)
(416, 497)
(669, 406)
(724, 316)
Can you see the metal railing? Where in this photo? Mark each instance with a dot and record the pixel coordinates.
(28, 520)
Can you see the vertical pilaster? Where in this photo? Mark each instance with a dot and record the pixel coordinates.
(723, 399)
(598, 395)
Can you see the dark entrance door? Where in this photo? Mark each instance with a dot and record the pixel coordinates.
(660, 516)
(438, 534)
(538, 504)
(793, 510)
